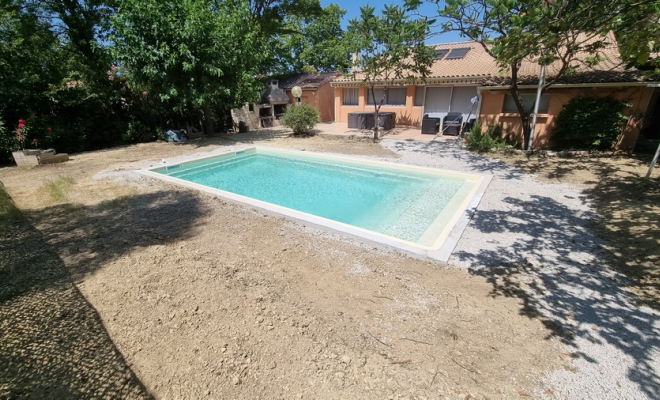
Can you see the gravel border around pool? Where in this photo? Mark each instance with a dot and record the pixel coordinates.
(538, 231)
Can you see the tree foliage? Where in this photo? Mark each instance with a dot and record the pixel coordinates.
(589, 123)
(190, 53)
(95, 73)
(390, 50)
(42, 73)
(314, 43)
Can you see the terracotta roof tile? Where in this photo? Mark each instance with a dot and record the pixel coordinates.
(311, 80)
(477, 63)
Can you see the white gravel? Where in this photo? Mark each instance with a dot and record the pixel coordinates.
(540, 230)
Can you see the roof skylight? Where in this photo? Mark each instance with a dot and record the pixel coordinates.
(439, 53)
(457, 53)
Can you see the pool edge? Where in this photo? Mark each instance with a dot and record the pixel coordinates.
(442, 254)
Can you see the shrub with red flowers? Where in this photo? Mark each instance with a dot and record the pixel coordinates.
(32, 132)
(21, 132)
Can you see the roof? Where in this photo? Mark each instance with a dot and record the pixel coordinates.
(310, 80)
(481, 68)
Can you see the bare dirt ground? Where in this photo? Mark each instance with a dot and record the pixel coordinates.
(627, 205)
(191, 297)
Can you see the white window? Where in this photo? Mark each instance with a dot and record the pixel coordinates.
(395, 97)
(350, 96)
(528, 102)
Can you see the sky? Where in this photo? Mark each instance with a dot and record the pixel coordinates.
(352, 8)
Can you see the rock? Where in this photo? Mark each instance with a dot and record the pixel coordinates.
(346, 359)
(236, 380)
(339, 375)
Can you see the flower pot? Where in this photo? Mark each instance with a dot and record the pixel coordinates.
(26, 160)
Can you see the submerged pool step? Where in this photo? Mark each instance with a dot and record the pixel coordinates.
(413, 221)
(207, 165)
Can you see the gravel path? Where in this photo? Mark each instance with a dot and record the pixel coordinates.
(532, 239)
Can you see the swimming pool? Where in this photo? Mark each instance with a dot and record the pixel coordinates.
(411, 208)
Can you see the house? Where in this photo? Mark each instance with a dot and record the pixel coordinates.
(316, 91)
(463, 70)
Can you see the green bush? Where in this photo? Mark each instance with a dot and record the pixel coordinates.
(484, 142)
(301, 118)
(138, 132)
(590, 123)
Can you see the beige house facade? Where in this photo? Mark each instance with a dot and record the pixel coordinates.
(464, 70)
(316, 91)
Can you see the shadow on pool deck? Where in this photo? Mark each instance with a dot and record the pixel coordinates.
(52, 341)
(584, 299)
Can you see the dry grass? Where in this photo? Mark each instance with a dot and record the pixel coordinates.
(58, 190)
(8, 211)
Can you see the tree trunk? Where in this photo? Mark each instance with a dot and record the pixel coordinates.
(208, 120)
(376, 137)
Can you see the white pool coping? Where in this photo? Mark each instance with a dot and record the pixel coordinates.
(441, 249)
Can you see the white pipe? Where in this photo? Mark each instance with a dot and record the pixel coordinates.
(655, 159)
(539, 90)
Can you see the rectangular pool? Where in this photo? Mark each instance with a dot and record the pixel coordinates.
(411, 208)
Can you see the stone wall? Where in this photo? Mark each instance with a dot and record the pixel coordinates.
(251, 118)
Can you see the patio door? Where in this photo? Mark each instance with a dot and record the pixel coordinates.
(461, 100)
(438, 100)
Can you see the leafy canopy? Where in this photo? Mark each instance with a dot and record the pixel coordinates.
(389, 49)
(191, 52)
(314, 43)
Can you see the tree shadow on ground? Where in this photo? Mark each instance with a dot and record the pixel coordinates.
(52, 341)
(554, 265)
(627, 214)
(88, 237)
(628, 208)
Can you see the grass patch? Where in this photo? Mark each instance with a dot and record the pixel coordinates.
(8, 211)
(11, 285)
(59, 189)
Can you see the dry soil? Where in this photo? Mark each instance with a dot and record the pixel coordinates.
(187, 296)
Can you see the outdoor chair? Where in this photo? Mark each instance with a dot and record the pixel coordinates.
(451, 124)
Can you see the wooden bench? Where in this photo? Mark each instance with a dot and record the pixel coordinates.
(51, 158)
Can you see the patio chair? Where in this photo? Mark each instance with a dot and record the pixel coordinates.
(451, 124)
(430, 125)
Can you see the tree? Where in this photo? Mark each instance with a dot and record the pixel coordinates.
(315, 43)
(390, 50)
(193, 54)
(557, 32)
(271, 15)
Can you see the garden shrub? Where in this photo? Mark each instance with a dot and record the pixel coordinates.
(301, 118)
(483, 142)
(589, 123)
(138, 132)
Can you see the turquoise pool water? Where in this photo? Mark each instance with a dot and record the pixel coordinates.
(413, 206)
